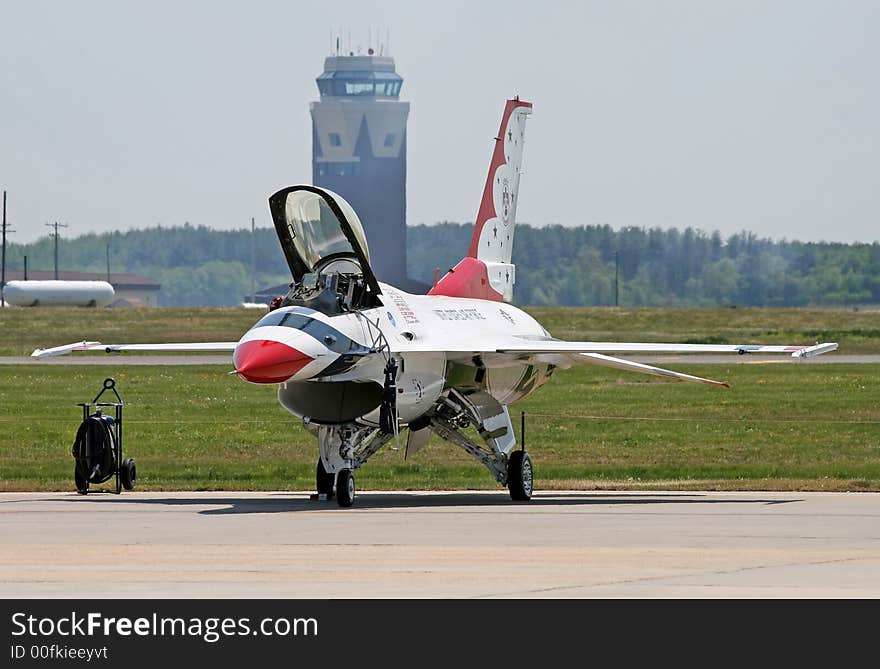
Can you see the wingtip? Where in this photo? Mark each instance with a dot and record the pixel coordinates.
(64, 350)
(813, 351)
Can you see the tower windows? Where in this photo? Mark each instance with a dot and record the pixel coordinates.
(339, 169)
(360, 83)
(357, 88)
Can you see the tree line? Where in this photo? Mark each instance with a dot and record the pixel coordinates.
(555, 265)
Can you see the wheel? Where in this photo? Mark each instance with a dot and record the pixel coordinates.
(82, 484)
(519, 476)
(323, 480)
(345, 488)
(128, 474)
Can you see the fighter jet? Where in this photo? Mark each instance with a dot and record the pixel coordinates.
(361, 362)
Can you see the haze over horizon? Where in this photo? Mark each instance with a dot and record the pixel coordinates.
(729, 116)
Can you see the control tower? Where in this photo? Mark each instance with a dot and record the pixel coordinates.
(359, 151)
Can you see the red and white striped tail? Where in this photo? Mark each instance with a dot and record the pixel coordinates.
(487, 271)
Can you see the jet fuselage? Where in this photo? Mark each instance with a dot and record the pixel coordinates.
(330, 368)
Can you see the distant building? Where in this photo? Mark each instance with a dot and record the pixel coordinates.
(359, 151)
(130, 290)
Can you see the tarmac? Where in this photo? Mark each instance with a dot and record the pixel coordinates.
(441, 545)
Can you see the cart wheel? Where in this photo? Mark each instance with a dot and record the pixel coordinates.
(82, 484)
(128, 473)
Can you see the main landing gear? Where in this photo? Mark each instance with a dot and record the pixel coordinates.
(519, 476)
(458, 410)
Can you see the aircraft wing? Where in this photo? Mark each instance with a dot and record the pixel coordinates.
(526, 347)
(118, 348)
(557, 346)
(594, 353)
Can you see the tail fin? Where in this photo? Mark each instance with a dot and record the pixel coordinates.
(487, 272)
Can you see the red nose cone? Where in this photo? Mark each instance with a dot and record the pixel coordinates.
(265, 361)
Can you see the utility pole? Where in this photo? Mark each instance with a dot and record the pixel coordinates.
(617, 278)
(56, 225)
(108, 262)
(253, 261)
(3, 262)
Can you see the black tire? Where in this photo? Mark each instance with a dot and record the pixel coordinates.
(520, 477)
(345, 488)
(323, 480)
(128, 474)
(82, 484)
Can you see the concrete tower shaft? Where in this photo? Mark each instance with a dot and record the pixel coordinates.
(359, 151)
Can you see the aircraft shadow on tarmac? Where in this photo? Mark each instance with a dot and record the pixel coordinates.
(297, 502)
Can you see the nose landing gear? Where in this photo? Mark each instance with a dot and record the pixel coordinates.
(345, 488)
(344, 448)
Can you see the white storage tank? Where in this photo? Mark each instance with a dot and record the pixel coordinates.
(58, 293)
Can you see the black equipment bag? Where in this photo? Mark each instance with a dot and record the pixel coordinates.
(95, 449)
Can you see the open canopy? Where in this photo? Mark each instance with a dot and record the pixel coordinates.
(320, 233)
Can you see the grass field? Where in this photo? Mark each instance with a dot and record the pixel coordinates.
(23, 330)
(780, 426)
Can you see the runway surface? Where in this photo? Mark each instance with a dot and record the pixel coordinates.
(718, 359)
(440, 544)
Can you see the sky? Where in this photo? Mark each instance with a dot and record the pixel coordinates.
(718, 115)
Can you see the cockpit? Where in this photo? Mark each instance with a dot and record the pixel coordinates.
(326, 248)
